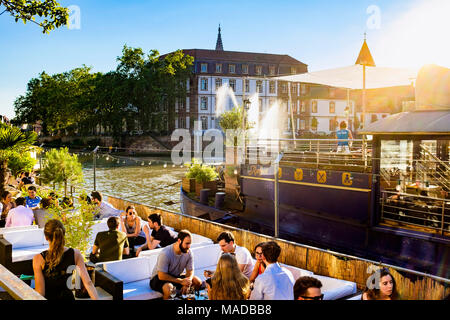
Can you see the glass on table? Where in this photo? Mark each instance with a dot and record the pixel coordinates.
(191, 293)
(173, 292)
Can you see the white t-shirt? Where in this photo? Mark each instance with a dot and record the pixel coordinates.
(244, 257)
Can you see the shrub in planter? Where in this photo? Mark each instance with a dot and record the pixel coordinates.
(205, 176)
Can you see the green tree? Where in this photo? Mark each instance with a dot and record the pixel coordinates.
(62, 168)
(50, 12)
(12, 140)
(18, 162)
(78, 223)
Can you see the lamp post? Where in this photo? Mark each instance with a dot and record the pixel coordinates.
(245, 108)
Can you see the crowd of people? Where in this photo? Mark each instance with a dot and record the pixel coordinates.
(236, 277)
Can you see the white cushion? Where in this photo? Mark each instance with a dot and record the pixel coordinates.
(139, 290)
(28, 253)
(334, 288)
(358, 297)
(26, 238)
(129, 270)
(196, 238)
(205, 256)
(4, 230)
(297, 272)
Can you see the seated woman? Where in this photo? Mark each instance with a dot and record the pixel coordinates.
(384, 290)
(41, 214)
(131, 225)
(228, 282)
(6, 204)
(51, 267)
(260, 266)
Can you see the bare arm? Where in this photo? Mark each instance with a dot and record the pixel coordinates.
(167, 277)
(137, 230)
(39, 282)
(94, 249)
(255, 271)
(79, 261)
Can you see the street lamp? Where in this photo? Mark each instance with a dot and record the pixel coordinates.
(246, 106)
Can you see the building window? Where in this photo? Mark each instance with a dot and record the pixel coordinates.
(293, 70)
(332, 125)
(271, 102)
(303, 89)
(182, 123)
(232, 68)
(204, 103)
(259, 86)
(303, 106)
(332, 107)
(283, 88)
(218, 83)
(272, 70)
(259, 70)
(272, 87)
(204, 68)
(302, 124)
(245, 68)
(260, 101)
(204, 84)
(314, 106)
(218, 67)
(294, 89)
(233, 84)
(204, 121)
(247, 85)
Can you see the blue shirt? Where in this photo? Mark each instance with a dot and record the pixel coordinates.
(342, 135)
(31, 203)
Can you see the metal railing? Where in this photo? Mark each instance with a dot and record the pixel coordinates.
(434, 167)
(433, 213)
(317, 152)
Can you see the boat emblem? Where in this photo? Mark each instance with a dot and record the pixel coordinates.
(321, 176)
(298, 174)
(347, 179)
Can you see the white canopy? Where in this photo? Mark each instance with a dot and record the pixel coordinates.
(351, 77)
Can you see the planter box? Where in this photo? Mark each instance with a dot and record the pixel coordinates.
(212, 185)
(188, 185)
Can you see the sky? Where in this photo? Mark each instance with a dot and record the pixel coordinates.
(322, 33)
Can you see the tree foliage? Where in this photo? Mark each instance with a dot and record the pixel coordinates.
(18, 162)
(201, 173)
(62, 168)
(50, 13)
(12, 141)
(139, 95)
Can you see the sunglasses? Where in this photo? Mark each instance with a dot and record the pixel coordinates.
(314, 298)
(258, 253)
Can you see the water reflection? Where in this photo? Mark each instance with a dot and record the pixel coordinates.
(146, 184)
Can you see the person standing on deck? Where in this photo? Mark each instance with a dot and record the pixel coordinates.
(343, 136)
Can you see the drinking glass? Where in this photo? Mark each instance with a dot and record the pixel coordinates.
(191, 293)
(173, 293)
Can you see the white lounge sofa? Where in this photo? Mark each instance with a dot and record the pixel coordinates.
(5, 230)
(334, 289)
(26, 243)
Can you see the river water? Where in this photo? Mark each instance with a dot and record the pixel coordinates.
(147, 184)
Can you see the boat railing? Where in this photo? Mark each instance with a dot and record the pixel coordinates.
(434, 167)
(416, 210)
(314, 152)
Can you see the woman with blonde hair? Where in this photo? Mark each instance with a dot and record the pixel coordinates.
(228, 282)
(53, 267)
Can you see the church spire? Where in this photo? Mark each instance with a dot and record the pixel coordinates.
(219, 45)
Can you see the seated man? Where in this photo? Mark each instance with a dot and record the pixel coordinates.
(106, 209)
(243, 256)
(171, 263)
(112, 244)
(20, 216)
(307, 288)
(32, 201)
(276, 283)
(160, 236)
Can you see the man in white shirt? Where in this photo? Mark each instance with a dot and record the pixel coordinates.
(106, 209)
(276, 283)
(20, 216)
(243, 256)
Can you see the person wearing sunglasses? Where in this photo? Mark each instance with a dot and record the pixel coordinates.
(131, 225)
(307, 288)
(260, 266)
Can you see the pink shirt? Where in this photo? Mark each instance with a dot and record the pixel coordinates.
(19, 216)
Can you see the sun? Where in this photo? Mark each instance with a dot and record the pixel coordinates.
(416, 37)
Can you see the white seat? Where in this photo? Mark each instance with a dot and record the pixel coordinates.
(28, 253)
(206, 256)
(139, 290)
(334, 289)
(358, 297)
(26, 238)
(4, 230)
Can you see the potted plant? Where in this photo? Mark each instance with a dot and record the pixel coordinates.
(204, 176)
